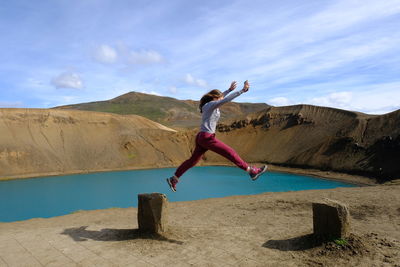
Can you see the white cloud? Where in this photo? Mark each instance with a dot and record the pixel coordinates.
(371, 99)
(67, 80)
(287, 51)
(5, 104)
(189, 79)
(279, 101)
(150, 92)
(301, 42)
(105, 54)
(338, 100)
(377, 98)
(138, 57)
(144, 57)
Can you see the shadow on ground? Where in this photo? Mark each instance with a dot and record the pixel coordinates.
(294, 244)
(82, 234)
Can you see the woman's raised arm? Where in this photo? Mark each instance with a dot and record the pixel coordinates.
(231, 88)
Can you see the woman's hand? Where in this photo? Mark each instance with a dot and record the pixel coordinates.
(233, 86)
(246, 86)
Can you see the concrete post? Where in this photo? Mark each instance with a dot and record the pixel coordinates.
(331, 219)
(152, 212)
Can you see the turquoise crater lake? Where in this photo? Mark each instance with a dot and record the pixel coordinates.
(53, 196)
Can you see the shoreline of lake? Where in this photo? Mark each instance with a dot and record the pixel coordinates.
(268, 227)
(329, 175)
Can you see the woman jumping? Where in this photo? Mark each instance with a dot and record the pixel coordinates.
(205, 139)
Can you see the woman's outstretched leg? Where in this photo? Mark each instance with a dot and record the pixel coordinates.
(187, 164)
(192, 161)
(217, 146)
(226, 151)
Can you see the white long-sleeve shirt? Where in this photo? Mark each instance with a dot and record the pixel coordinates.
(211, 113)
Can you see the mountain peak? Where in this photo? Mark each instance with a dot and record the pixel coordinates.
(165, 110)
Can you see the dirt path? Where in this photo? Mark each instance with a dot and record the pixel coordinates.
(269, 229)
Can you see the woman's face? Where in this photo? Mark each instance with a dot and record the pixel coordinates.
(218, 98)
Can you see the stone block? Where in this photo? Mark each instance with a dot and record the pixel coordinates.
(152, 212)
(331, 219)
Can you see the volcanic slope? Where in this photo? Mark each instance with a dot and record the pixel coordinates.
(165, 110)
(36, 142)
(318, 137)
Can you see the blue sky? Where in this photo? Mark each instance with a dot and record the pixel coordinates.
(343, 54)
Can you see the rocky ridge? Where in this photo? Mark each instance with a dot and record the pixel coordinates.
(319, 137)
(38, 142)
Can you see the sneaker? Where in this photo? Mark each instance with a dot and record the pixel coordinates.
(172, 181)
(256, 172)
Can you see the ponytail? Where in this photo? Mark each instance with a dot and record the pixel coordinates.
(210, 96)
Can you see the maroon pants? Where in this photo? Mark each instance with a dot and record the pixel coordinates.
(207, 141)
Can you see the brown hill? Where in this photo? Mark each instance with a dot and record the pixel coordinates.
(166, 110)
(51, 141)
(319, 137)
(54, 141)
